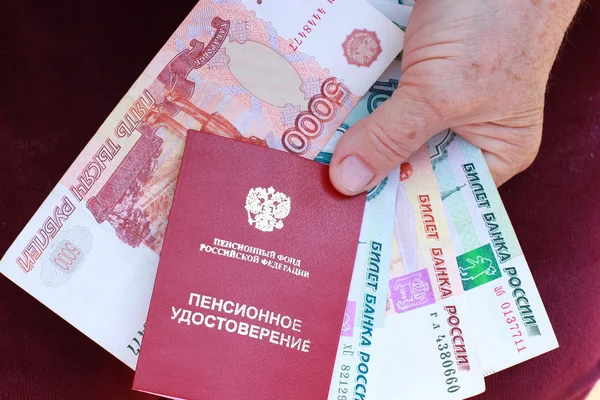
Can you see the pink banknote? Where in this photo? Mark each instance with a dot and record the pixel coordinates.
(277, 74)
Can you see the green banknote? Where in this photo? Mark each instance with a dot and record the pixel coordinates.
(512, 323)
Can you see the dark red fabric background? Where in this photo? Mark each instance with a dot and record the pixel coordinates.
(64, 65)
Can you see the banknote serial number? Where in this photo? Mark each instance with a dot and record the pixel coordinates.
(511, 321)
(446, 359)
(308, 28)
(343, 384)
(136, 345)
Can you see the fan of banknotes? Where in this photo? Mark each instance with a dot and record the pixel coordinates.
(454, 301)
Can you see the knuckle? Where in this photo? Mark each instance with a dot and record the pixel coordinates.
(528, 159)
(530, 147)
(450, 104)
(443, 105)
(524, 163)
(389, 142)
(427, 104)
(520, 146)
(515, 161)
(521, 159)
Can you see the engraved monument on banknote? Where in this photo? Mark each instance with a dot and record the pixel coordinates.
(268, 73)
(142, 185)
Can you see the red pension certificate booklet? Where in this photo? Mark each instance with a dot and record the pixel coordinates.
(253, 279)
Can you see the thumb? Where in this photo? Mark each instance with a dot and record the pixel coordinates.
(378, 143)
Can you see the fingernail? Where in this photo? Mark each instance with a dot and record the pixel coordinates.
(353, 174)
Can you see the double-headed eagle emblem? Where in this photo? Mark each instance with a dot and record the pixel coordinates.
(267, 208)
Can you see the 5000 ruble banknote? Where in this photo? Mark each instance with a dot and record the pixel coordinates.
(278, 74)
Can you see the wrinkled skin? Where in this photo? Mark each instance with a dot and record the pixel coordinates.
(479, 67)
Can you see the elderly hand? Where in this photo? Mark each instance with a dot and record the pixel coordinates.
(479, 67)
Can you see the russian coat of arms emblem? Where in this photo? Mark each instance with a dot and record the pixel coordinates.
(267, 208)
